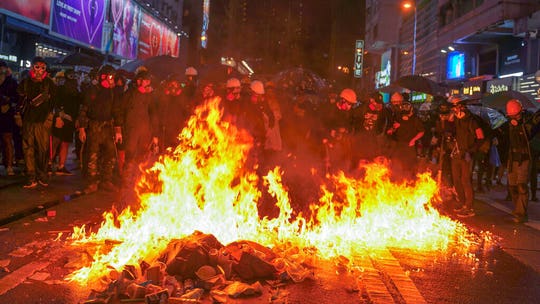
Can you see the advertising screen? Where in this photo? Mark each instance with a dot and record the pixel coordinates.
(78, 20)
(170, 43)
(150, 34)
(38, 11)
(455, 67)
(125, 17)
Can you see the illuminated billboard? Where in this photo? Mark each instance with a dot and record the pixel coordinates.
(205, 23)
(125, 18)
(38, 12)
(455, 67)
(80, 21)
(150, 36)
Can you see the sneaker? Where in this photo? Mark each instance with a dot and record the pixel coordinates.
(43, 183)
(30, 185)
(63, 171)
(520, 219)
(10, 171)
(467, 213)
(90, 189)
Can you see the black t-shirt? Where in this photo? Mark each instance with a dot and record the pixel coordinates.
(408, 129)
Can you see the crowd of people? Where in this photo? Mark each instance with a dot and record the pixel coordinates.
(115, 123)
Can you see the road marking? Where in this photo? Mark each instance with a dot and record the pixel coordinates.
(390, 266)
(17, 277)
(373, 283)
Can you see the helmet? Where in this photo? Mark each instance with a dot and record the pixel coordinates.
(513, 107)
(377, 97)
(349, 95)
(191, 71)
(106, 69)
(60, 74)
(396, 98)
(257, 87)
(233, 83)
(143, 74)
(457, 99)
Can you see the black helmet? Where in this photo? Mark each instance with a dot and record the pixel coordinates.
(106, 69)
(142, 74)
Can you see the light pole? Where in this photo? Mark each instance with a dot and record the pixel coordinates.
(408, 5)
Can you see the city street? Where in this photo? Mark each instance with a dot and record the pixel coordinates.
(34, 257)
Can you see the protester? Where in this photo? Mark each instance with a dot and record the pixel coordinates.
(8, 98)
(469, 137)
(37, 101)
(64, 120)
(100, 117)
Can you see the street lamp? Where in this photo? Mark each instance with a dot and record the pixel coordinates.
(408, 5)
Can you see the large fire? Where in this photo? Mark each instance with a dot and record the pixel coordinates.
(205, 185)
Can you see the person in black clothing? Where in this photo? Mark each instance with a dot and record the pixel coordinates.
(64, 121)
(370, 127)
(469, 137)
(100, 117)
(406, 129)
(8, 98)
(37, 96)
(520, 132)
(173, 111)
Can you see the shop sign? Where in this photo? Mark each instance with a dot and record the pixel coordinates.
(8, 57)
(473, 89)
(529, 86)
(358, 58)
(499, 85)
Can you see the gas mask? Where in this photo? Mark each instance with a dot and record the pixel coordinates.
(405, 109)
(515, 119)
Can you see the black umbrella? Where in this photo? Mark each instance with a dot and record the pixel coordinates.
(498, 100)
(420, 84)
(491, 116)
(80, 59)
(159, 66)
(301, 78)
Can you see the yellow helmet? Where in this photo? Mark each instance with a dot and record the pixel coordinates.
(513, 107)
(349, 95)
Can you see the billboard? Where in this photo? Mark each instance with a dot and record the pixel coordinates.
(39, 11)
(125, 19)
(156, 39)
(78, 20)
(170, 43)
(358, 58)
(455, 65)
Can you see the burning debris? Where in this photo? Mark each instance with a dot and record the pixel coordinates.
(206, 185)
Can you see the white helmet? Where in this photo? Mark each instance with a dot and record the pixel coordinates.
(233, 83)
(257, 87)
(191, 71)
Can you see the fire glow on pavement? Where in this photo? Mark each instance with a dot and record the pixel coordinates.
(205, 185)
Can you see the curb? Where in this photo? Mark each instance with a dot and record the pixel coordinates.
(486, 200)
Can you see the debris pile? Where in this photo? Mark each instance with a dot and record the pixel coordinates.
(199, 266)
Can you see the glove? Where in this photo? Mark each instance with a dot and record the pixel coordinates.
(58, 123)
(118, 135)
(82, 135)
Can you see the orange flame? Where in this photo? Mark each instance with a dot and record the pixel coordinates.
(205, 186)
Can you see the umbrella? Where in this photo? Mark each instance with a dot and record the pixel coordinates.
(420, 84)
(498, 100)
(301, 78)
(218, 73)
(491, 116)
(159, 66)
(79, 59)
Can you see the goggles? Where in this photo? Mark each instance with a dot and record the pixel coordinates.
(40, 67)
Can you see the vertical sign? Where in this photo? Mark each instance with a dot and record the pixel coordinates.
(358, 58)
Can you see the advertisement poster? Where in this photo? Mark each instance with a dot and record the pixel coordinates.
(150, 34)
(169, 43)
(80, 20)
(33, 10)
(125, 17)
